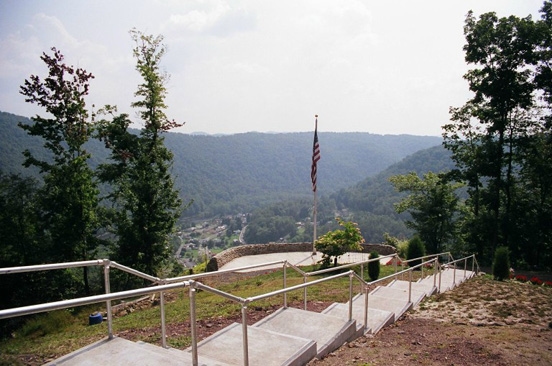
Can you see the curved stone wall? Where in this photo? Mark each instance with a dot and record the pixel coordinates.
(230, 254)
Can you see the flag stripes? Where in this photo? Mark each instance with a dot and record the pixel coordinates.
(315, 156)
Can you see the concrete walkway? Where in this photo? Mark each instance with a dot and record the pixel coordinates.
(295, 258)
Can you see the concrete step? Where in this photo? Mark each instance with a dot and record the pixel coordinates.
(180, 355)
(398, 294)
(449, 279)
(122, 352)
(329, 332)
(426, 288)
(377, 319)
(265, 347)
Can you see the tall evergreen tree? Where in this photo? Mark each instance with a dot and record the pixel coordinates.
(69, 197)
(145, 200)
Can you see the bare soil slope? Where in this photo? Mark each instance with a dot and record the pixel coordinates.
(481, 322)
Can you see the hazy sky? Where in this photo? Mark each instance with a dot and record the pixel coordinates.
(379, 66)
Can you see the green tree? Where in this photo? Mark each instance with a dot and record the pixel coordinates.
(146, 203)
(501, 264)
(374, 267)
(415, 249)
(433, 205)
(338, 242)
(500, 139)
(69, 198)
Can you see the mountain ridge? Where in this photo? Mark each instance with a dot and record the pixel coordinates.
(234, 173)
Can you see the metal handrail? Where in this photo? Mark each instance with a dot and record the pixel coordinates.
(64, 304)
(222, 271)
(465, 260)
(245, 302)
(341, 267)
(47, 267)
(394, 275)
(194, 285)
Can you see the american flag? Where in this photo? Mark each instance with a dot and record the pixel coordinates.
(315, 156)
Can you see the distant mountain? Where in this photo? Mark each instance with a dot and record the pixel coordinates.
(371, 200)
(235, 173)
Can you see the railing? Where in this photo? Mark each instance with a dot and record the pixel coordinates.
(475, 267)
(395, 275)
(448, 255)
(190, 282)
(245, 302)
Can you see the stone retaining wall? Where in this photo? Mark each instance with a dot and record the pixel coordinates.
(230, 254)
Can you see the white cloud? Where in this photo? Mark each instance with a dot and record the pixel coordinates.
(242, 65)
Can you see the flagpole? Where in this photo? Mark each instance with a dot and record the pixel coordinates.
(314, 226)
(315, 158)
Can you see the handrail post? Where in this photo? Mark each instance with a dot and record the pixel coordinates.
(362, 274)
(351, 295)
(285, 284)
(366, 289)
(193, 325)
(163, 322)
(465, 265)
(305, 292)
(422, 269)
(107, 263)
(473, 262)
(396, 261)
(454, 276)
(410, 287)
(440, 271)
(244, 335)
(435, 269)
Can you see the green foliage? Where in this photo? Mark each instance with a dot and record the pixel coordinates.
(501, 264)
(400, 245)
(338, 242)
(416, 249)
(229, 174)
(500, 139)
(374, 267)
(433, 206)
(41, 325)
(68, 200)
(146, 203)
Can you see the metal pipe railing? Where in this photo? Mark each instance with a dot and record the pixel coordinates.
(194, 285)
(245, 302)
(64, 304)
(48, 267)
(219, 272)
(392, 276)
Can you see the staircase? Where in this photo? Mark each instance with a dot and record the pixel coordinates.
(287, 337)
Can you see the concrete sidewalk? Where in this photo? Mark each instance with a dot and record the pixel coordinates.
(295, 258)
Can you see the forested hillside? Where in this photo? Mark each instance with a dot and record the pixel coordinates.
(236, 173)
(369, 203)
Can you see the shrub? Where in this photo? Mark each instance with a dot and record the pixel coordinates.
(374, 267)
(416, 249)
(548, 283)
(501, 264)
(335, 243)
(536, 281)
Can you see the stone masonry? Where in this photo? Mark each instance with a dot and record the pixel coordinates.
(230, 254)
